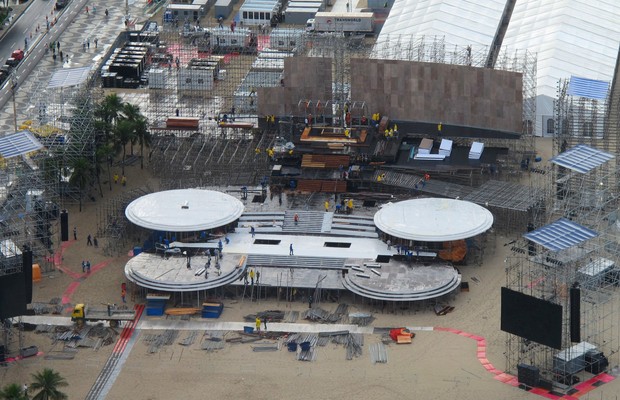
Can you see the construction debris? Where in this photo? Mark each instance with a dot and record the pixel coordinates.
(378, 353)
(442, 309)
(266, 347)
(156, 341)
(291, 316)
(270, 315)
(189, 339)
(320, 315)
(361, 319)
(401, 335)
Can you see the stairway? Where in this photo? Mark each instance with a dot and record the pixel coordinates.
(310, 222)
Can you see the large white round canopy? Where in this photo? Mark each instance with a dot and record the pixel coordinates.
(184, 210)
(433, 220)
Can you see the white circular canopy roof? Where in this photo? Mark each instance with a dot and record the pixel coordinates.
(433, 220)
(184, 210)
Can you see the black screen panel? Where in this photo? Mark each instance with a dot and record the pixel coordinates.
(531, 318)
(12, 295)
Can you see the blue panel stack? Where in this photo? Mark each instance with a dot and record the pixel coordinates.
(212, 310)
(156, 304)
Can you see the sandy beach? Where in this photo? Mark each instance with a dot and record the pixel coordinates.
(438, 364)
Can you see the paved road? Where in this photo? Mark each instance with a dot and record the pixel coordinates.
(72, 28)
(25, 26)
(38, 43)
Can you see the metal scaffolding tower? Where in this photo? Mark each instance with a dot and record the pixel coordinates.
(29, 210)
(580, 249)
(61, 114)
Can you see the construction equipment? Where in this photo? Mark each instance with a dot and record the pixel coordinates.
(81, 313)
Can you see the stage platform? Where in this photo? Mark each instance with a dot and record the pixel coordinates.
(322, 260)
(401, 281)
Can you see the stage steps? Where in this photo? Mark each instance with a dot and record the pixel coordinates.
(266, 260)
(310, 222)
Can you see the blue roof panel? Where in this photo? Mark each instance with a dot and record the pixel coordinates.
(560, 235)
(18, 143)
(589, 88)
(582, 158)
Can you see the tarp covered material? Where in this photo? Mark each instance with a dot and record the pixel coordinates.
(401, 335)
(454, 251)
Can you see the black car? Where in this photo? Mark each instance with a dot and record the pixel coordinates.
(61, 4)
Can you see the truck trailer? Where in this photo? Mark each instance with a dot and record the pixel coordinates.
(357, 22)
(81, 314)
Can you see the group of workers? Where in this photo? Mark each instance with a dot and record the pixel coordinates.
(123, 179)
(344, 206)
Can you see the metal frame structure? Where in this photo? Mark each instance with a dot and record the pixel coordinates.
(584, 197)
(63, 116)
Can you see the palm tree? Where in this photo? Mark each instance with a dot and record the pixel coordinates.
(12, 391)
(124, 133)
(105, 154)
(82, 173)
(109, 112)
(47, 382)
(141, 132)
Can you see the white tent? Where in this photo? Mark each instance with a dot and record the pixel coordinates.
(568, 37)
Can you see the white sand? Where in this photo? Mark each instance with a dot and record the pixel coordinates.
(437, 365)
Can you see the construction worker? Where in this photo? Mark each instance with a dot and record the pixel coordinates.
(115, 178)
(326, 205)
(258, 321)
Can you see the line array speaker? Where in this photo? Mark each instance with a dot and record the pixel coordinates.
(64, 226)
(575, 314)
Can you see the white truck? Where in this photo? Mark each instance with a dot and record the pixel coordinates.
(351, 22)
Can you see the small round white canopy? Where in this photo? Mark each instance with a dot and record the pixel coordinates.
(433, 219)
(184, 210)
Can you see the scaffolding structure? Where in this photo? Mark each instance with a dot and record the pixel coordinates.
(62, 116)
(112, 225)
(587, 120)
(29, 210)
(580, 196)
